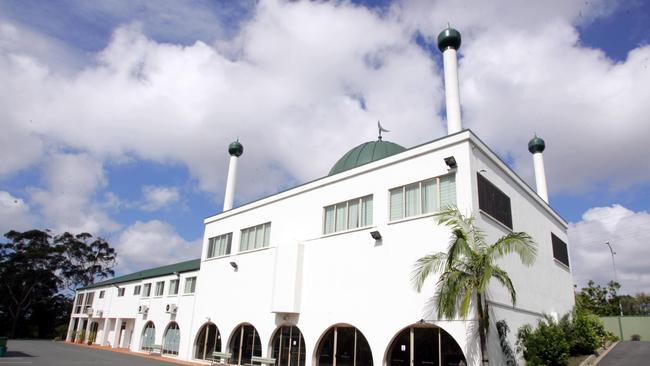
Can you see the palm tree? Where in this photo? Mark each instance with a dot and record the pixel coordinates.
(467, 268)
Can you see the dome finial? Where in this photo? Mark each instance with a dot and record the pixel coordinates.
(536, 145)
(381, 129)
(449, 38)
(235, 148)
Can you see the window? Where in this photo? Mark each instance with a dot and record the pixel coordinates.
(78, 303)
(208, 341)
(348, 215)
(136, 290)
(560, 251)
(244, 344)
(190, 285)
(494, 202)
(171, 339)
(89, 300)
(120, 291)
(101, 294)
(148, 337)
(255, 237)
(422, 197)
(173, 287)
(146, 290)
(219, 245)
(160, 288)
(345, 345)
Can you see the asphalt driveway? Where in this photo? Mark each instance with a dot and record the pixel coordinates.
(49, 353)
(628, 353)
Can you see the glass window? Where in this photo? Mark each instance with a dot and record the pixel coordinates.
(208, 341)
(244, 344)
(348, 215)
(148, 337)
(101, 294)
(344, 346)
(78, 303)
(173, 287)
(560, 251)
(160, 288)
(420, 346)
(120, 291)
(146, 290)
(255, 237)
(289, 346)
(422, 197)
(219, 245)
(171, 339)
(493, 201)
(190, 285)
(136, 290)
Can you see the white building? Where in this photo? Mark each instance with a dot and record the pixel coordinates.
(320, 274)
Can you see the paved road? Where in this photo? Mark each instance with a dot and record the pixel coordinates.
(49, 353)
(628, 353)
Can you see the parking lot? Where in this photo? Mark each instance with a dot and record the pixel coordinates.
(49, 353)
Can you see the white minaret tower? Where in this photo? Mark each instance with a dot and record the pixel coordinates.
(448, 44)
(536, 147)
(235, 149)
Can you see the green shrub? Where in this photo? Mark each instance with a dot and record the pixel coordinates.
(586, 335)
(545, 345)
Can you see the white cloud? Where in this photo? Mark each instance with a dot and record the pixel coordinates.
(14, 214)
(627, 231)
(151, 244)
(67, 203)
(157, 197)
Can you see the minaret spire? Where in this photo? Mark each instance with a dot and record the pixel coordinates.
(381, 129)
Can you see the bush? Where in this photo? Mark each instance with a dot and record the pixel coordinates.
(546, 345)
(586, 335)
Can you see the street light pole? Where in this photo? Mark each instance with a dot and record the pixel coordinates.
(612, 252)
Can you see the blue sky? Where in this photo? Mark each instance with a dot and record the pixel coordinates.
(117, 114)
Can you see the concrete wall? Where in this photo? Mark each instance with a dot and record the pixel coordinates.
(630, 325)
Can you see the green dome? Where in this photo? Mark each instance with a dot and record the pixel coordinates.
(536, 145)
(448, 38)
(366, 153)
(235, 149)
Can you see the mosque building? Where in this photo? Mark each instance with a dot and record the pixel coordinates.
(320, 274)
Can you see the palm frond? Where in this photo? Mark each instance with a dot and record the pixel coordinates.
(502, 277)
(425, 266)
(452, 287)
(520, 243)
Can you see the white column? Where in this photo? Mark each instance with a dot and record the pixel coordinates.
(107, 323)
(116, 334)
(230, 184)
(452, 93)
(540, 176)
(87, 330)
(71, 330)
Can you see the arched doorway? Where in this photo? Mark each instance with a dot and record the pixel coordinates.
(288, 346)
(343, 345)
(423, 346)
(208, 341)
(244, 344)
(148, 337)
(171, 339)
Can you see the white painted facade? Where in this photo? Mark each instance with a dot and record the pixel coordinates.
(316, 281)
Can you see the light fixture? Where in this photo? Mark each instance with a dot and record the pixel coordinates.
(375, 235)
(234, 265)
(176, 274)
(451, 162)
(116, 286)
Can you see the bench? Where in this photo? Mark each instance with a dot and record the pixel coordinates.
(263, 360)
(156, 349)
(223, 357)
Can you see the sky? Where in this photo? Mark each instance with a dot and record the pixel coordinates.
(116, 115)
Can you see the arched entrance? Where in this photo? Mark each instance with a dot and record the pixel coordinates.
(208, 341)
(171, 339)
(148, 337)
(343, 345)
(288, 346)
(244, 344)
(424, 346)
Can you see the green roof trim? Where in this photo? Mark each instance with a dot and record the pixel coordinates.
(187, 266)
(366, 153)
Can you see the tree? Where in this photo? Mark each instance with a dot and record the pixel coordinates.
(34, 267)
(87, 259)
(602, 301)
(468, 267)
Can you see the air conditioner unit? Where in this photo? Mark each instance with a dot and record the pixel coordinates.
(171, 308)
(143, 309)
(89, 311)
(98, 313)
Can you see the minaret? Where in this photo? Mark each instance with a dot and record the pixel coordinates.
(448, 43)
(235, 149)
(536, 146)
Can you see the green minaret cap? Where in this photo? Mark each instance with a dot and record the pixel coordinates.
(448, 38)
(235, 149)
(536, 145)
